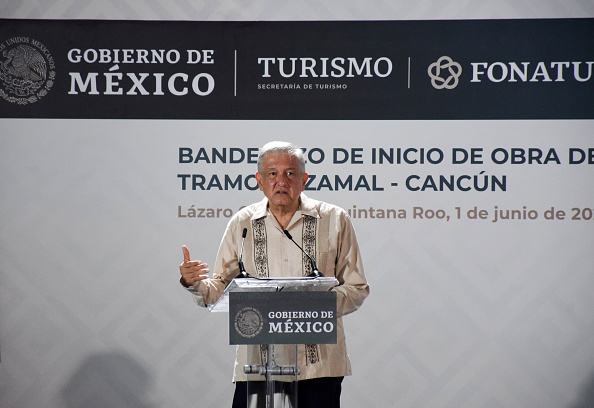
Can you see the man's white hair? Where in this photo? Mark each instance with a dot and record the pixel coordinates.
(281, 147)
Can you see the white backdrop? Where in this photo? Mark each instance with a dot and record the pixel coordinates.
(463, 313)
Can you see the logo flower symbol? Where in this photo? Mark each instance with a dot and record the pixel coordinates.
(449, 67)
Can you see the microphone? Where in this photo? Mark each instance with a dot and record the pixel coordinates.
(314, 267)
(242, 273)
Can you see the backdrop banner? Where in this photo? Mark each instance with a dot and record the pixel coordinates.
(462, 150)
(473, 69)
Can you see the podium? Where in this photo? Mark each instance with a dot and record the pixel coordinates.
(270, 318)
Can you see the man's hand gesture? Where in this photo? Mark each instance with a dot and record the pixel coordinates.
(192, 271)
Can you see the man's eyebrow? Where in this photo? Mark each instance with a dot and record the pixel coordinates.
(288, 168)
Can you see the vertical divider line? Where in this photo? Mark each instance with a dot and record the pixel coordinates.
(408, 72)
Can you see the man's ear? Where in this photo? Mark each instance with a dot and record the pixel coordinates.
(305, 177)
(259, 180)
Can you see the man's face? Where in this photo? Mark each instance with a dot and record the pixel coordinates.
(281, 180)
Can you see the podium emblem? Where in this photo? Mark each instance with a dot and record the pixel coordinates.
(249, 322)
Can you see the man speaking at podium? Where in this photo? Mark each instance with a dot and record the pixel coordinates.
(324, 231)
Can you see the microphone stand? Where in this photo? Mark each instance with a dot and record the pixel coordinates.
(242, 273)
(316, 273)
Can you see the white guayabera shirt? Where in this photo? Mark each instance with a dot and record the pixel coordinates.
(326, 233)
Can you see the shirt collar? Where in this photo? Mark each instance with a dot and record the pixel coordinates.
(307, 207)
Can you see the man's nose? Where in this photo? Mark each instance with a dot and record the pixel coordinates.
(282, 178)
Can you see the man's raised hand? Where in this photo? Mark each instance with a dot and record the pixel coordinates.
(192, 271)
